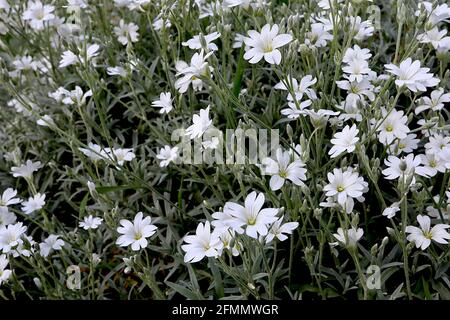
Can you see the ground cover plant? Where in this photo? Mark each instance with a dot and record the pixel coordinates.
(228, 149)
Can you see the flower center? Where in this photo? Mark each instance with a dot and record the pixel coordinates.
(267, 47)
(432, 164)
(137, 236)
(427, 234)
(340, 188)
(389, 128)
(282, 173)
(401, 145)
(251, 221)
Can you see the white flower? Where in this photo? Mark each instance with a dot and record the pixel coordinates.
(167, 155)
(38, 13)
(422, 236)
(402, 168)
(77, 97)
(164, 102)
(363, 29)
(90, 222)
(293, 111)
(126, 32)
(390, 212)
(283, 169)
(279, 231)
(202, 244)
(345, 186)
(344, 141)
(437, 143)
(6, 217)
(196, 43)
(34, 203)
(121, 154)
(45, 121)
(51, 243)
(356, 54)
(59, 94)
(318, 37)
(393, 126)
(94, 152)
(357, 91)
(191, 73)
(8, 198)
(201, 123)
(10, 236)
(435, 14)
(432, 164)
(327, 4)
(136, 232)
(85, 54)
(4, 273)
(68, 58)
(436, 102)
(265, 44)
(299, 89)
(406, 145)
(117, 71)
(438, 39)
(356, 70)
(252, 217)
(26, 170)
(227, 237)
(73, 5)
(411, 75)
(349, 237)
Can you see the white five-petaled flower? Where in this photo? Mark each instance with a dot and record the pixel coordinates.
(8, 198)
(90, 222)
(344, 141)
(349, 237)
(251, 216)
(422, 236)
(120, 154)
(196, 43)
(33, 203)
(164, 102)
(299, 89)
(190, 74)
(435, 102)
(394, 125)
(201, 123)
(203, 244)
(94, 152)
(26, 170)
(345, 186)
(77, 97)
(69, 58)
(52, 243)
(167, 155)
(402, 168)
(411, 75)
(37, 13)
(279, 230)
(126, 32)
(283, 169)
(136, 232)
(265, 44)
(4, 273)
(390, 212)
(10, 236)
